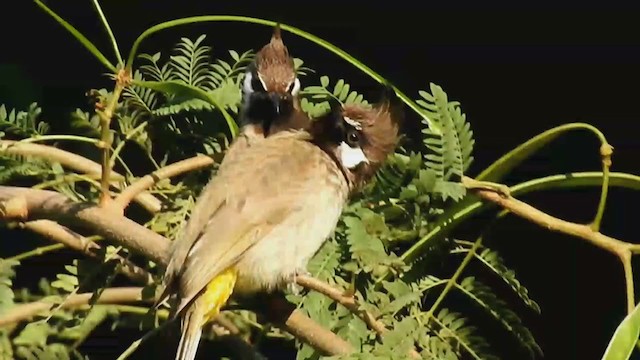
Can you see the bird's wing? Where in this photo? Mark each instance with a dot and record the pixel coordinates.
(262, 186)
(207, 203)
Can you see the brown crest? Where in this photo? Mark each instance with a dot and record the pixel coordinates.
(274, 64)
(380, 127)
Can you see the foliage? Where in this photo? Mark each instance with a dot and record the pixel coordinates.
(408, 200)
(411, 192)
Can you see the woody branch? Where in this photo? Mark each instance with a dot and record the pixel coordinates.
(24, 204)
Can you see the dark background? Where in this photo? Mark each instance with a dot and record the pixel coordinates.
(517, 72)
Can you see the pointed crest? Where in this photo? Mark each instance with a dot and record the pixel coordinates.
(274, 64)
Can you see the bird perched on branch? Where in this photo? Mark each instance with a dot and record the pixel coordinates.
(269, 105)
(271, 207)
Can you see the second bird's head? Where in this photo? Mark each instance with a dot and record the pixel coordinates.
(270, 86)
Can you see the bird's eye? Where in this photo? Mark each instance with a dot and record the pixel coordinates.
(353, 138)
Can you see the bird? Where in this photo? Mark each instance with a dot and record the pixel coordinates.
(269, 210)
(270, 104)
(270, 89)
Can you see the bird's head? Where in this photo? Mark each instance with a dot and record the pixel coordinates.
(360, 138)
(270, 86)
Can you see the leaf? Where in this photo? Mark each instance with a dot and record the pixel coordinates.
(191, 64)
(482, 295)
(7, 273)
(324, 81)
(495, 263)
(35, 333)
(177, 88)
(624, 338)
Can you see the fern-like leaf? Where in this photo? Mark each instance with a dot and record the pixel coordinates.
(191, 64)
(317, 96)
(22, 123)
(455, 329)
(449, 149)
(484, 297)
(494, 262)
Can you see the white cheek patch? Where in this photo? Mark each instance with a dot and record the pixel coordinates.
(356, 125)
(351, 157)
(264, 85)
(296, 87)
(246, 84)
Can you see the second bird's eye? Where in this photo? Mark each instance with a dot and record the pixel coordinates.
(353, 138)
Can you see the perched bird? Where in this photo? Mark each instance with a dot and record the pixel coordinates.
(270, 104)
(268, 211)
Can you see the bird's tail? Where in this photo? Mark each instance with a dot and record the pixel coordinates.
(203, 309)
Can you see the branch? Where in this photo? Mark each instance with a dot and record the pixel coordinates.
(552, 223)
(23, 312)
(75, 162)
(41, 204)
(144, 183)
(623, 250)
(75, 241)
(123, 77)
(349, 302)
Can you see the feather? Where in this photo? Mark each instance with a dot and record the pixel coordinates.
(191, 332)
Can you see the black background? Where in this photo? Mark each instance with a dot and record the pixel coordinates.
(516, 71)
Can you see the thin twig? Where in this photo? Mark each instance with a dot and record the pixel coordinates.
(628, 279)
(349, 302)
(106, 115)
(144, 183)
(74, 162)
(123, 295)
(62, 235)
(452, 281)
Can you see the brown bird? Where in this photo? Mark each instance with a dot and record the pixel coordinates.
(270, 91)
(268, 211)
(270, 105)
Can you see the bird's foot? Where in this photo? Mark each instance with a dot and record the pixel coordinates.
(292, 285)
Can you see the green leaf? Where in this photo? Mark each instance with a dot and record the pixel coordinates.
(35, 333)
(178, 88)
(324, 80)
(78, 35)
(624, 338)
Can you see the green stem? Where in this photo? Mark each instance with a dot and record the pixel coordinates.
(81, 38)
(37, 252)
(107, 28)
(128, 137)
(625, 258)
(514, 157)
(323, 43)
(459, 212)
(134, 346)
(60, 137)
(452, 281)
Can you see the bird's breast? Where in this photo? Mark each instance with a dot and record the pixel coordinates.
(275, 259)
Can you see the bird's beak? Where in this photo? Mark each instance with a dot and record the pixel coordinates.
(279, 102)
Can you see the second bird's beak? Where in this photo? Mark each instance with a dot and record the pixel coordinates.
(280, 102)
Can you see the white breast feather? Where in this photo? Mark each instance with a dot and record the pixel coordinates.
(276, 258)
